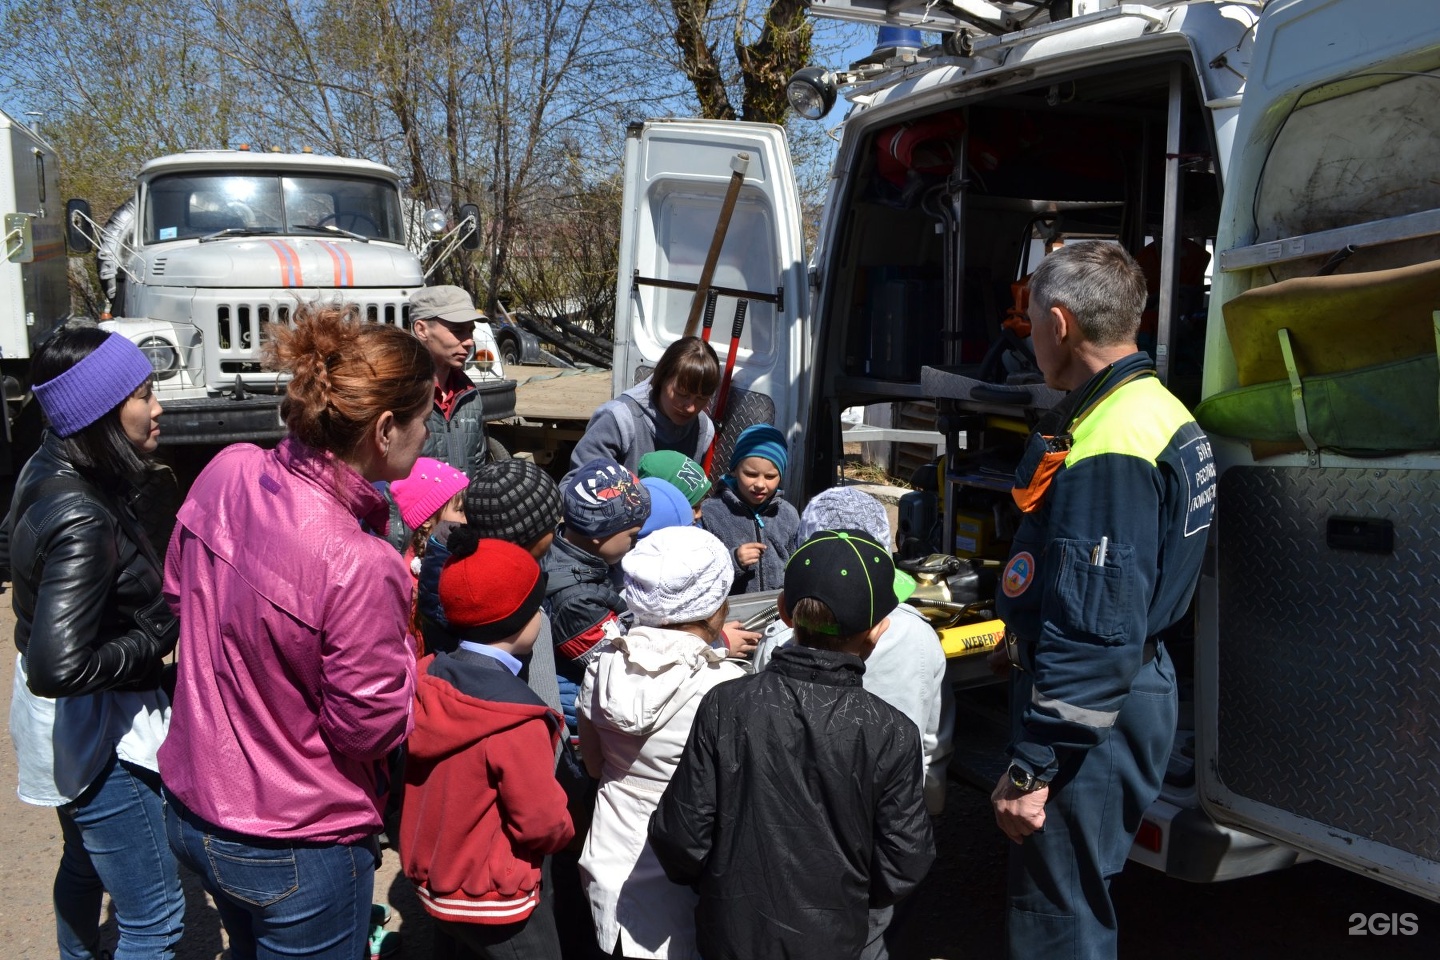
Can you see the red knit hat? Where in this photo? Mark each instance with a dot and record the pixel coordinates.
(491, 594)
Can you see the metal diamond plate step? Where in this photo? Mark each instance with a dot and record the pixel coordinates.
(1329, 659)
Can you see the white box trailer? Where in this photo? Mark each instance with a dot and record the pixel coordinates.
(34, 294)
(34, 288)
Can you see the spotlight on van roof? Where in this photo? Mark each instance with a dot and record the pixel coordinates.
(811, 91)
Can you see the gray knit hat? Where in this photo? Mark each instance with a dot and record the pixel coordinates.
(845, 508)
(512, 500)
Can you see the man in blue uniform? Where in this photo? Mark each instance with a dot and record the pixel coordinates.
(1117, 488)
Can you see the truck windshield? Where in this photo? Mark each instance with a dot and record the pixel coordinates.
(186, 206)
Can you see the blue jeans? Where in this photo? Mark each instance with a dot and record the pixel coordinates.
(278, 899)
(114, 839)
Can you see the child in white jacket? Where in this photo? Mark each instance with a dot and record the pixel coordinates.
(635, 709)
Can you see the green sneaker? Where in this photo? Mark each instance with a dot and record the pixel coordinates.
(383, 943)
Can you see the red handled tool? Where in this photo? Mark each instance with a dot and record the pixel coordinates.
(722, 399)
(711, 297)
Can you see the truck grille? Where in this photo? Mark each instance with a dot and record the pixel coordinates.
(240, 328)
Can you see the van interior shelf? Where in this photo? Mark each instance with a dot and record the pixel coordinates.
(955, 383)
(1411, 226)
(859, 389)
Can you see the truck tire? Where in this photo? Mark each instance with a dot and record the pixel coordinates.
(498, 397)
(509, 352)
(496, 450)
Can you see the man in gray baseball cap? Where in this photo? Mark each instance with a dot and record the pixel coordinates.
(444, 319)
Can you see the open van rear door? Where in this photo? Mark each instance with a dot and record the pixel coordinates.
(1318, 656)
(676, 176)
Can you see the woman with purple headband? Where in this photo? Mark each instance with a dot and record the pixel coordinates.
(87, 713)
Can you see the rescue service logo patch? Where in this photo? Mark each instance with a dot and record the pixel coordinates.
(1018, 574)
(1198, 464)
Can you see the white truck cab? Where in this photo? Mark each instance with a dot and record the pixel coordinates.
(217, 243)
(960, 162)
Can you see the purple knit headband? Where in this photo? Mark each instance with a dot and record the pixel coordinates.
(94, 386)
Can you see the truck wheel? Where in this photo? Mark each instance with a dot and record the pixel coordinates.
(496, 450)
(509, 352)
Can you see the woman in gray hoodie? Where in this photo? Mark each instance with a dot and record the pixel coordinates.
(665, 411)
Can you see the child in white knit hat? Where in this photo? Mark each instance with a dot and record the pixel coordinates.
(635, 709)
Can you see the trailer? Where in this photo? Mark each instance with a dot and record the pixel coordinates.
(34, 275)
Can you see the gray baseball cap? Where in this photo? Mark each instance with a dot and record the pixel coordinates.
(451, 304)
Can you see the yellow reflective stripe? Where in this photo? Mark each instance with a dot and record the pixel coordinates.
(1137, 421)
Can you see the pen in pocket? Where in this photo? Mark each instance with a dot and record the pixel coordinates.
(1097, 555)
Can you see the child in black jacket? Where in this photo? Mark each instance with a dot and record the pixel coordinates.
(605, 505)
(817, 781)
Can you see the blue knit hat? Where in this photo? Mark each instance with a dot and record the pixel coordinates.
(603, 498)
(761, 440)
(668, 507)
(93, 387)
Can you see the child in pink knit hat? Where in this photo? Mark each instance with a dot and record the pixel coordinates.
(434, 493)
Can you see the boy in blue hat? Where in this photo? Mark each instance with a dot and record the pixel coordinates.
(749, 515)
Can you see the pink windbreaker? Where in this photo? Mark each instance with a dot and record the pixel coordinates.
(297, 673)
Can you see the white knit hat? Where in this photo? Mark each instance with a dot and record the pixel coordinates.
(676, 575)
(845, 508)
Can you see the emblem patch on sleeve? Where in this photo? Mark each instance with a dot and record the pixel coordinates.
(1018, 574)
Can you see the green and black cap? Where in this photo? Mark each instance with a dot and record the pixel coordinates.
(851, 574)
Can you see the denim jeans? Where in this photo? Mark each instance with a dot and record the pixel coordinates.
(114, 839)
(278, 899)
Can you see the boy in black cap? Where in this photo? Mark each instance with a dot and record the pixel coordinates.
(824, 811)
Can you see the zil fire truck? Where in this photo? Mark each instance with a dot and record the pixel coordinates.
(1276, 173)
(214, 244)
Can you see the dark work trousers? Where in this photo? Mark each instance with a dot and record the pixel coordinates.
(533, 939)
(1059, 878)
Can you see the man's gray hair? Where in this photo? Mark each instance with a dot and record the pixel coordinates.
(1099, 283)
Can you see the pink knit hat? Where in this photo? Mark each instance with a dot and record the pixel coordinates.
(429, 487)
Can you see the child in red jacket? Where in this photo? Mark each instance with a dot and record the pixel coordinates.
(482, 805)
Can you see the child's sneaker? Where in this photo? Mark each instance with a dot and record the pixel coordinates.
(383, 943)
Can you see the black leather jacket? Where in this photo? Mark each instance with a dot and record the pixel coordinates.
(89, 613)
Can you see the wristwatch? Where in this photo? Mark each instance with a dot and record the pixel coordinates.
(1024, 780)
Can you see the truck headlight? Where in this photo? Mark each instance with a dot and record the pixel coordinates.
(164, 358)
(811, 91)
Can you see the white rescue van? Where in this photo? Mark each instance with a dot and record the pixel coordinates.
(960, 162)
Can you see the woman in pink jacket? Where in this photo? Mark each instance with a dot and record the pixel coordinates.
(296, 670)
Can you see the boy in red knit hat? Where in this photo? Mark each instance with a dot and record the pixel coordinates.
(482, 805)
